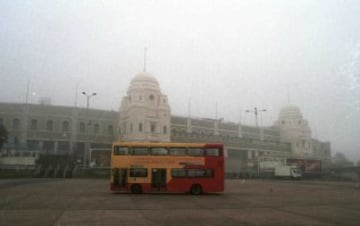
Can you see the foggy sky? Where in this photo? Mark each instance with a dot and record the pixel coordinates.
(238, 54)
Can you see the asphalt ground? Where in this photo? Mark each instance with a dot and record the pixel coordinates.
(245, 202)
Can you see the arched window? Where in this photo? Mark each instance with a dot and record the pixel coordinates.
(82, 127)
(50, 125)
(124, 128)
(152, 127)
(140, 127)
(96, 128)
(16, 141)
(164, 129)
(16, 123)
(65, 126)
(110, 129)
(34, 124)
(151, 97)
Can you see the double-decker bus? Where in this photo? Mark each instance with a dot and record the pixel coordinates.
(167, 167)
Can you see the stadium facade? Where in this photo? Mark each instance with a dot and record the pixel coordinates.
(145, 114)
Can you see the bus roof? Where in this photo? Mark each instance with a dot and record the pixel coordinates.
(165, 144)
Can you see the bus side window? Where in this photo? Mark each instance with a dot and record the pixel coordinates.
(178, 172)
(195, 172)
(140, 151)
(121, 150)
(196, 151)
(212, 152)
(200, 173)
(138, 172)
(159, 151)
(177, 151)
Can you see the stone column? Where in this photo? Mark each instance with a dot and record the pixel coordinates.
(56, 145)
(239, 130)
(188, 125)
(261, 133)
(86, 160)
(41, 146)
(74, 129)
(24, 126)
(216, 127)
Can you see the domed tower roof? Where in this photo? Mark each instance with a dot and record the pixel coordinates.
(144, 113)
(290, 112)
(295, 130)
(144, 80)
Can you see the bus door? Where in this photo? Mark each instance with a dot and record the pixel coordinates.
(158, 179)
(120, 177)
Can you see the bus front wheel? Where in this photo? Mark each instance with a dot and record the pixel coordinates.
(196, 189)
(136, 189)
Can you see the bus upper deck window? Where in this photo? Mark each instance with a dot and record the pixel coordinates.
(159, 151)
(140, 151)
(121, 150)
(177, 151)
(212, 152)
(196, 151)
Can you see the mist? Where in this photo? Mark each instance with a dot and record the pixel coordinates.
(235, 55)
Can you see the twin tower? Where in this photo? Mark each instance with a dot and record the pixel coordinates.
(145, 112)
(145, 115)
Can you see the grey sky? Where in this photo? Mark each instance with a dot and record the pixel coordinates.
(240, 54)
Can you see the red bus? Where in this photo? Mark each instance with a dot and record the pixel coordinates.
(140, 167)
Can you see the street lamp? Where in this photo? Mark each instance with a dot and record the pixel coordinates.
(88, 96)
(256, 111)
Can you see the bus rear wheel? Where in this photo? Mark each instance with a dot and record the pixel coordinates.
(196, 189)
(136, 189)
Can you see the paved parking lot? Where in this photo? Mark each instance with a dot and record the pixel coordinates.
(245, 202)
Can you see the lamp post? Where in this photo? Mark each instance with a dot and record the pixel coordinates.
(256, 111)
(88, 96)
(262, 117)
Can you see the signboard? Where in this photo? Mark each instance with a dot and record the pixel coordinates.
(313, 166)
(306, 165)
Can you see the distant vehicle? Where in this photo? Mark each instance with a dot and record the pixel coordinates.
(167, 167)
(285, 171)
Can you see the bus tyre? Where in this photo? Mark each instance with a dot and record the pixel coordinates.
(136, 189)
(196, 189)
